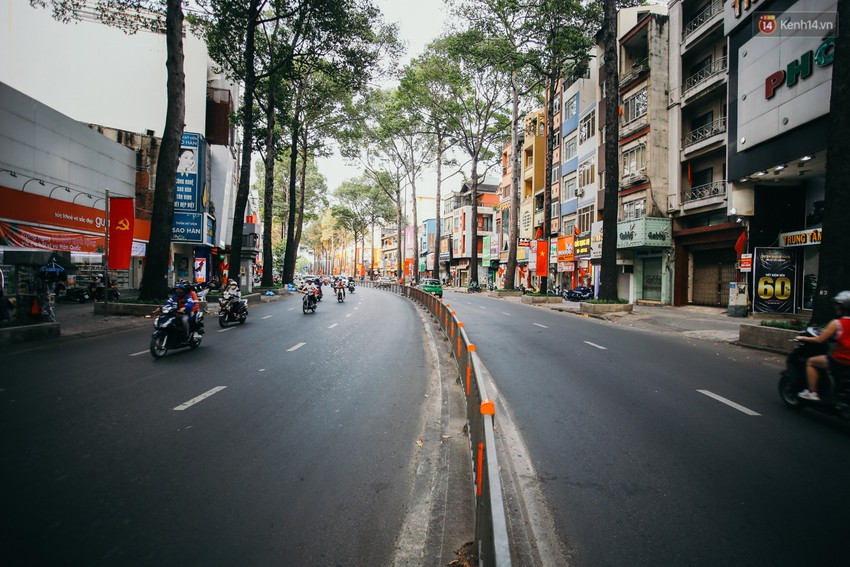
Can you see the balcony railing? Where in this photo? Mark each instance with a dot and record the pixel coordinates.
(707, 191)
(716, 7)
(704, 132)
(637, 69)
(717, 67)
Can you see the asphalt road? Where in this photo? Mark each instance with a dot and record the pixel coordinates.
(320, 439)
(653, 449)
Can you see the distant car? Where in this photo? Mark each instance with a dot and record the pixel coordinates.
(384, 281)
(432, 286)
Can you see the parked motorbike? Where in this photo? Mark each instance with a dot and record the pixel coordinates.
(78, 294)
(168, 333)
(98, 291)
(310, 302)
(474, 287)
(580, 293)
(232, 310)
(833, 385)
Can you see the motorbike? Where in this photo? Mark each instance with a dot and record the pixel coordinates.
(474, 287)
(232, 310)
(310, 302)
(833, 385)
(168, 333)
(350, 286)
(76, 293)
(340, 295)
(580, 293)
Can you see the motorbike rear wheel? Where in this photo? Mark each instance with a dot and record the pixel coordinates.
(788, 392)
(158, 348)
(222, 320)
(194, 342)
(339, 297)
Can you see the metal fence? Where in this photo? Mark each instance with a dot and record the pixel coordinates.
(491, 532)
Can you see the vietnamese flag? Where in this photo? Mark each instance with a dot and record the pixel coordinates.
(740, 243)
(121, 215)
(542, 269)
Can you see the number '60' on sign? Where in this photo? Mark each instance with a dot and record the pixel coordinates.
(770, 288)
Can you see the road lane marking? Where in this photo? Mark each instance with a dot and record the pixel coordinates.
(200, 398)
(138, 353)
(349, 315)
(227, 329)
(729, 403)
(481, 307)
(334, 325)
(508, 314)
(600, 347)
(296, 347)
(291, 309)
(539, 325)
(267, 317)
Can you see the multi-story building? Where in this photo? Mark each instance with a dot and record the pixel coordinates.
(532, 183)
(389, 252)
(467, 216)
(503, 218)
(101, 88)
(427, 248)
(780, 79)
(704, 234)
(644, 232)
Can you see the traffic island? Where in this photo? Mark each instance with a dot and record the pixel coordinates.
(772, 339)
(532, 299)
(15, 334)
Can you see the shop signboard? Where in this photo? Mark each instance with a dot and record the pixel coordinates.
(553, 251)
(596, 240)
(581, 246)
(646, 231)
(485, 248)
(808, 237)
(774, 273)
(565, 249)
(190, 173)
(187, 227)
(746, 264)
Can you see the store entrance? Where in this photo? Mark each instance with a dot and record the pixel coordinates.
(713, 270)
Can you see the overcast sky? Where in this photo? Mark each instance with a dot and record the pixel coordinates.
(420, 21)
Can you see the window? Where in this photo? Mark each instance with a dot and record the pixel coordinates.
(703, 177)
(634, 210)
(556, 210)
(587, 128)
(485, 223)
(587, 173)
(569, 191)
(567, 227)
(585, 219)
(634, 107)
(570, 107)
(554, 174)
(634, 160)
(571, 149)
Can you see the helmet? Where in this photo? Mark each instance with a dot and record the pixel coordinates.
(180, 286)
(843, 301)
(231, 282)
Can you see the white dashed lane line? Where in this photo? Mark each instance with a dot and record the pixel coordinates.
(227, 329)
(600, 347)
(539, 325)
(200, 398)
(508, 314)
(267, 317)
(332, 326)
(138, 353)
(296, 347)
(729, 403)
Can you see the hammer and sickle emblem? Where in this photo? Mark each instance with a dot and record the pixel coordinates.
(123, 224)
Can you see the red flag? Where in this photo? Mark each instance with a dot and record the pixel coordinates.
(742, 241)
(542, 259)
(690, 176)
(575, 228)
(120, 232)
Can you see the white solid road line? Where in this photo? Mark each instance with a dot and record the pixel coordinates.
(334, 325)
(539, 325)
(729, 403)
(481, 307)
(600, 347)
(296, 347)
(508, 314)
(267, 317)
(349, 315)
(138, 353)
(200, 398)
(227, 329)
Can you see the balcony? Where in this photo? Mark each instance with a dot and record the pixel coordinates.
(629, 128)
(713, 10)
(637, 69)
(706, 194)
(708, 76)
(632, 178)
(704, 135)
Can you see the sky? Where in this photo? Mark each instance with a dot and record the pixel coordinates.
(420, 21)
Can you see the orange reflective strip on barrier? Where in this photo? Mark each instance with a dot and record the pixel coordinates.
(479, 476)
(470, 347)
(458, 345)
(488, 407)
(468, 379)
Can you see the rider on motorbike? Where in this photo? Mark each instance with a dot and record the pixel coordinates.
(840, 356)
(339, 285)
(184, 303)
(310, 289)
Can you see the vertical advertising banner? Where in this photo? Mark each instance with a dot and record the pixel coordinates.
(190, 178)
(774, 273)
(121, 216)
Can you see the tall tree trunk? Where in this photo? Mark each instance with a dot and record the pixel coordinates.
(247, 145)
(833, 268)
(155, 279)
(415, 277)
(547, 177)
(608, 287)
(438, 228)
(513, 235)
(268, 194)
(290, 254)
(399, 232)
(473, 235)
(299, 226)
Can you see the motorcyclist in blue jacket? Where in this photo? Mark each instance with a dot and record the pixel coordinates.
(184, 303)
